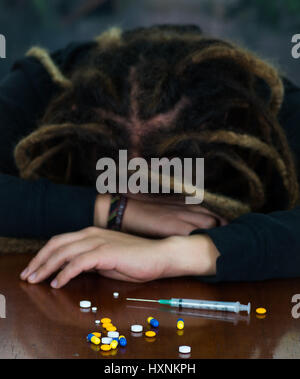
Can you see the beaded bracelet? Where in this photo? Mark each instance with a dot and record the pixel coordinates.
(117, 208)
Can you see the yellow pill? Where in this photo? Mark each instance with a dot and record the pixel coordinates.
(111, 329)
(121, 337)
(105, 320)
(149, 319)
(180, 325)
(97, 334)
(107, 325)
(114, 344)
(105, 347)
(150, 334)
(261, 311)
(95, 340)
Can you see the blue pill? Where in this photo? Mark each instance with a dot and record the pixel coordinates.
(90, 336)
(154, 323)
(122, 342)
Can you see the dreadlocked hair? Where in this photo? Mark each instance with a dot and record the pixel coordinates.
(168, 91)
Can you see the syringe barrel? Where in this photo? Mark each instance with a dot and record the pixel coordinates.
(206, 304)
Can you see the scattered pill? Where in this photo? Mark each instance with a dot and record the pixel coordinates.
(105, 320)
(106, 340)
(97, 322)
(107, 325)
(92, 338)
(111, 328)
(122, 341)
(116, 295)
(150, 334)
(113, 334)
(261, 311)
(94, 309)
(105, 347)
(114, 344)
(180, 324)
(85, 304)
(184, 349)
(153, 322)
(136, 328)
(97, 334)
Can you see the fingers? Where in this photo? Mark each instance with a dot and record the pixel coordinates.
(199, 209)
(62, 255)
(199, 220)
(53, 244)
(79, 264)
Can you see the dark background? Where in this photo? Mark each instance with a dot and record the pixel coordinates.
(265, 26)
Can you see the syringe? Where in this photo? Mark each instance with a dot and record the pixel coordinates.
(201, 304)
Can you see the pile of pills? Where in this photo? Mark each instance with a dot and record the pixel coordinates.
(113, 339)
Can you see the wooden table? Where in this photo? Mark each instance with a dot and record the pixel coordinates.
(45, 323)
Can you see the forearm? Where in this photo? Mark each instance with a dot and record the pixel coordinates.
(41, 209)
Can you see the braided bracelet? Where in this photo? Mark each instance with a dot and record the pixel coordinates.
(116, 212)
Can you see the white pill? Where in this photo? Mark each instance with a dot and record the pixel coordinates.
(106, 340)
(184, 349)
(85, 304)
(136, 328)
(97, 321)
(116, 295)
(94, 309)
(113, 334)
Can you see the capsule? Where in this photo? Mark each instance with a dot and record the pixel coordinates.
(97, 334)
(122, 341)
(111, 328)
(114, 344)
(180, 323)
(105, 320)
(93, 339)
(153, 322)
(107, 325)
(105, 347)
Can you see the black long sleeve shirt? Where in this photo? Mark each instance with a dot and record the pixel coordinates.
(252, 247)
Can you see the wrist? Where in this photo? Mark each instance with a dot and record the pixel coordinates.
(101, 210)
(194, 255)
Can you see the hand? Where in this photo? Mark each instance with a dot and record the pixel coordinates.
(158, 219)
(151, 218)
(121, 256)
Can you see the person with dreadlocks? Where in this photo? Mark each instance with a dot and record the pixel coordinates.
(164, 91)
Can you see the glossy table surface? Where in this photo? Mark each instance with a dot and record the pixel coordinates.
(45, 323)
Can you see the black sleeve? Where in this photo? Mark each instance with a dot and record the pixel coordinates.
(41, 209)
(263, 246)
(257, 246)
(34, 208)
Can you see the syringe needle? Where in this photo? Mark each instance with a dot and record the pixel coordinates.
(132, 299)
